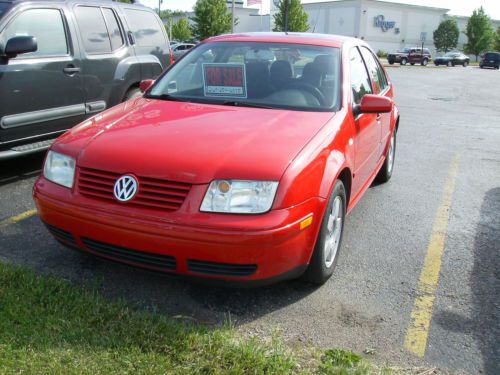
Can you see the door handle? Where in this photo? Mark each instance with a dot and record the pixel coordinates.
(71, 69)
(131, 38)
(379, 116)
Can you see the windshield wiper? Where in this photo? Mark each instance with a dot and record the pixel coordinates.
(245, 104)
(166, 97)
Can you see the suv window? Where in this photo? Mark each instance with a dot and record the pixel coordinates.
(115, 34)
(46, 25)
(492, 56)
(146, 28)
(93, 29)
(376, 73)
(3, 9)
(360, 82)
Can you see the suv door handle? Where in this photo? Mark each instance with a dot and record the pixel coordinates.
(379, 116)
(71, 69)
(131, 37)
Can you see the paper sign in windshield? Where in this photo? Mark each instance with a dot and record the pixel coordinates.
(224, 80)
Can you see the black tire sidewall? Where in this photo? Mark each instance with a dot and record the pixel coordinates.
(317, 272)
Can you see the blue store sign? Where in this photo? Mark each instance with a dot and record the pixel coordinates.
(383, 24)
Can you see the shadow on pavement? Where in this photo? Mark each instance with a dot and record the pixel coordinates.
(29, 244)
(485, 286)
(22, 167)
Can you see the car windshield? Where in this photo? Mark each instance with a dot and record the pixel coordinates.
(451, 54)
(3, 8)
(255, 74)
(404, 50)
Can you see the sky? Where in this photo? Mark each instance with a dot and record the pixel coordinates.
(457, 7)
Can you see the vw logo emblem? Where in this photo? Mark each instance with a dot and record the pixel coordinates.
(125, 188)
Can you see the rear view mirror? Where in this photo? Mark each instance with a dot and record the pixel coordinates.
(374, 104)
(19, 45)
(146, 84)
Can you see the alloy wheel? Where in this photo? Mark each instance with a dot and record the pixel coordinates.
(334, 231)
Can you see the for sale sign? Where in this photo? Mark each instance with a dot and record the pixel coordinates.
(224, 80)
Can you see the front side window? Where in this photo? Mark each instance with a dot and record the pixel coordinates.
(271, 75)
(93, 29)
(46, 25)
(146, 28)
(376, 73)
(360, 81)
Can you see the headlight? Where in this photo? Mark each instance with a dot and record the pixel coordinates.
(59, 168)
(239, 196)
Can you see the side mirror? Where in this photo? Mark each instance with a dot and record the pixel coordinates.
(146, 84)
(19, 45)
(374, 104)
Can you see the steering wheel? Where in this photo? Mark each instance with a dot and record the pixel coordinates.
(310, 89)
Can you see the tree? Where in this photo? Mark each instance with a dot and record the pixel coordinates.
(181, 30)
(479, 33)
(297, 17)
(446, 35)
(211, 17)
(497, 40)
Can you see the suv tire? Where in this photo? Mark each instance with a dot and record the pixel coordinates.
(404, 61)
(465, 64)
(449, 63)
(132, 93)
(425, 61)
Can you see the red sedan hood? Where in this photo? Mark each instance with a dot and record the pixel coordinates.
(193, 143)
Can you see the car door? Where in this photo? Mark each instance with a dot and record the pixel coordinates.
(367, 142)
(40, 92)
(103, 49)
(380, 87)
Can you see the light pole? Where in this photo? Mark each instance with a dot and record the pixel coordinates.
(232, 17)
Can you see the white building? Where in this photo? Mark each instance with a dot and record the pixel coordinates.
(386, 26)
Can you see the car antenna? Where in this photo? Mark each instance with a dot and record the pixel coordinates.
(286, 17)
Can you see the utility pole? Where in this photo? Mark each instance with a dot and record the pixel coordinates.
(232, 17)
(159, 7)
(286, 16)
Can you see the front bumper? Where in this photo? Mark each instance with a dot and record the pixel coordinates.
(235, 248)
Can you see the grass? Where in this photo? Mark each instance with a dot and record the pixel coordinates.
(48, 326)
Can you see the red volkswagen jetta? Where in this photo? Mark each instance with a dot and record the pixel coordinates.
(239, 163)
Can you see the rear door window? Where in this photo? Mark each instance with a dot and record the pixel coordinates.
(93, 29)
(46, 25)
(146, 28)
(115, 34)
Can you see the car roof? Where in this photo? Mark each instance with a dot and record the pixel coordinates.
(107, 2)
(292, 38)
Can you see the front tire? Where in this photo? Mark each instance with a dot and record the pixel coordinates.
(449, 64)
(425, 62)
(385, 172)
(403, 61)
(326, 250)
(465, 64)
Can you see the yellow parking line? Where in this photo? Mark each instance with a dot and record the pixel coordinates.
(418, 330)
(17, 218)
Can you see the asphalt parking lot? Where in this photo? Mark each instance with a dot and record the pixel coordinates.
(445, 192)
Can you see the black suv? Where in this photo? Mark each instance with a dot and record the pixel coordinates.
(411, 55)
(63, 61)
(490, 60)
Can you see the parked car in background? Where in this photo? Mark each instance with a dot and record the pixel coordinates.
(180, 49)
(490, 60)
(231, 169)
(63, 61)
(452, 59)
(413, 55)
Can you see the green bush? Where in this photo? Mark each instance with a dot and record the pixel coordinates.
(381, 54)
